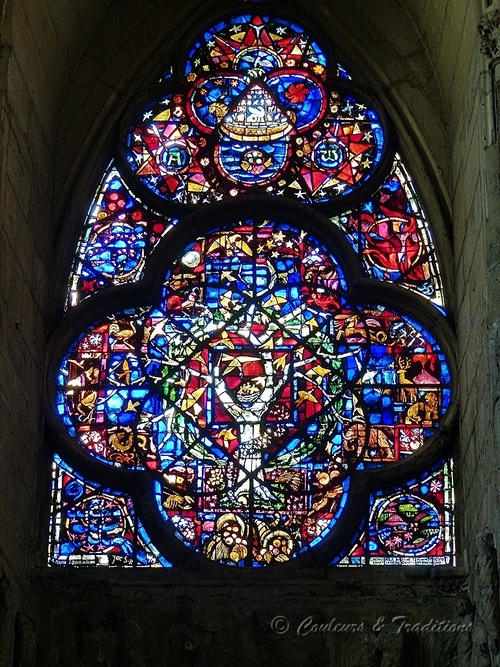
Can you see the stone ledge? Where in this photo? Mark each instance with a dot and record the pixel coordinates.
(351, 582)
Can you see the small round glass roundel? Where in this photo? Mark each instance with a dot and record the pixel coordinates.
(328, 154)
(407, 525)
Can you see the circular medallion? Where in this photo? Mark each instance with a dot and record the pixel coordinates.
(407, 524)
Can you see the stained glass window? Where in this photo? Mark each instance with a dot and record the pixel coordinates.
(241, 407)
(409, 525)
(117, 237)
(391, 235)
(94, 525)
(253, 111)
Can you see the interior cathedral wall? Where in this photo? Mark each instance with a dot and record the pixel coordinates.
(67, 71)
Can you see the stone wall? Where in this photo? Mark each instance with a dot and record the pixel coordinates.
(191, 619)
(40, 43)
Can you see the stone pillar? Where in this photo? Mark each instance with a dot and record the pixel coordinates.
(489, 30)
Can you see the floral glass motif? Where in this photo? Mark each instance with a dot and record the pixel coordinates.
(95, 526)
(391, 235)
(117, 237)
(252, 392)
(257, 112)
(409, 525)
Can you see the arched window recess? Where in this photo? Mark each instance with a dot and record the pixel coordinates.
(255, 367)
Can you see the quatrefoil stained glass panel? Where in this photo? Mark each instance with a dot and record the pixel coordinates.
(243, 406)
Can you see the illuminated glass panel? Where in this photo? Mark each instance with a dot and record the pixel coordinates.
(205, 151)
(412, 524)
(92, 525)
(254, 44)
(341, 72)
(391, 234)
(256, 112)
(117, 237)
(253, 391)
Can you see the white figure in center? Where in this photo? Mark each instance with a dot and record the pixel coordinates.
(248, 405)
